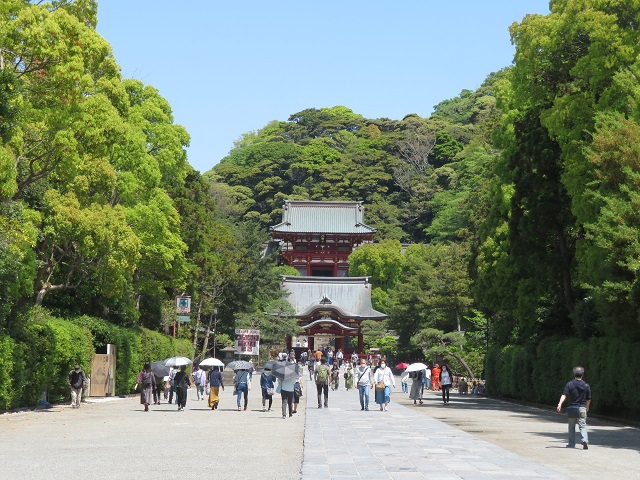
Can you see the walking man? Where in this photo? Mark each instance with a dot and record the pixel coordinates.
(199, 378)
(322, 382)
(365, 383)
(76, 382)
(579, 394)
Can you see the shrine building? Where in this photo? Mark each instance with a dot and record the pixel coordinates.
(316, 238)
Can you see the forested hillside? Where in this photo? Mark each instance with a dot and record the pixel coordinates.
(518, 201)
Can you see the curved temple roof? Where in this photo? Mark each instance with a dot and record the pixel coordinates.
(350, 297)
(322, 217)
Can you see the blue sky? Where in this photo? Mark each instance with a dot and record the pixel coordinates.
(228, 68)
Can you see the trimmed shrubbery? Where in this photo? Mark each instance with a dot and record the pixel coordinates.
(539, 375)
(39, 357)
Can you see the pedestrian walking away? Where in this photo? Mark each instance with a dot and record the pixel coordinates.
(242, 382)
(157, 389)
(199, 379)
(364, 376)
(286, 388)
(416, 387)
(182, 383)
(76, 382)
(579, 394)
(147, 381)
(383, 378)
(446, 380)
(268, 388)
(321, 377)
(215, 384)
(426, 379)
(297, 393)
(404, 382)
(172, 389)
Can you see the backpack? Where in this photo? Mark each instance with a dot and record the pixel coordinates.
(146, 379)
(323, 374)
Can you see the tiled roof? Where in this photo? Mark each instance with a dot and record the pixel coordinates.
(322, 217)
(348, 296)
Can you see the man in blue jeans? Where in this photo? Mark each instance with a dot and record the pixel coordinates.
(242, 381)
(579, 393)
(364, 377)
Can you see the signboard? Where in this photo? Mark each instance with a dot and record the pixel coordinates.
(183, 318)
(247, 341)
(103, 378)
(183, 305)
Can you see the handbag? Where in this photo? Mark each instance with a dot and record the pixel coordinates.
(573, 411)
(297, 389)
(271, 391)
(380, 383)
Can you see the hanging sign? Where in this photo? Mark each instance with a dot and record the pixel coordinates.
(183, 305)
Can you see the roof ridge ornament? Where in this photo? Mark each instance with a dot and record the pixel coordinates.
(325, 300)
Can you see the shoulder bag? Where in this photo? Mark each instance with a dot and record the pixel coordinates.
(380, 383)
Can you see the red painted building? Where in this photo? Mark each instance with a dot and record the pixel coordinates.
(316, 239)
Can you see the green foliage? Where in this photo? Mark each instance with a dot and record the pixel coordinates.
(539, 375)
(7, 387)
(372, 333)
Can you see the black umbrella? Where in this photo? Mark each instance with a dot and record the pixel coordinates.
(159, 369)
(269, 365)
(285, 370)
(240, 365)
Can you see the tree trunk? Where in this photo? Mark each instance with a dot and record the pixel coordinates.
(464, 364)
(195, 333)
(206, 337)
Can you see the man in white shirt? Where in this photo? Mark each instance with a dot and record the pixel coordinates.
(364, 380)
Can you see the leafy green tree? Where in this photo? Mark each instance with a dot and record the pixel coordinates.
(434, 291)
(436, 342)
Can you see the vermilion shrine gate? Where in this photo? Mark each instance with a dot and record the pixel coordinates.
(317, 238)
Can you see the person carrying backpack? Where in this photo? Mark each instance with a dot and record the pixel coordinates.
(321, 376)
(148, 382)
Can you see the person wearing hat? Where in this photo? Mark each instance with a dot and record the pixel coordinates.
(76, 381)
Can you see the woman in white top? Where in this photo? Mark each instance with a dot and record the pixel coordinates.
(446, 380)
(384, 376)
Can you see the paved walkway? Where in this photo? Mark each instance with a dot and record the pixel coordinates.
(473, 438)
(344, 442)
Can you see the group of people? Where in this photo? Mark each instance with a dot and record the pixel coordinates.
(436, 378)
(365, 377)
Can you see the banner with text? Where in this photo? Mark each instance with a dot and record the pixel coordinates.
(247, 341)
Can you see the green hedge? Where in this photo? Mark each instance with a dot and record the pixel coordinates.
(38, 358)
(539, 375)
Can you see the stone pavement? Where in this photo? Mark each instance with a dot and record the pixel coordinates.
(116, 440)
(343, 442)
(473, 438)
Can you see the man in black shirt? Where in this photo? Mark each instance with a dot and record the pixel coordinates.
(76, 381)
(579, 393)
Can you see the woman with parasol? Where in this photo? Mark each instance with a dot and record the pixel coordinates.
(215, 382)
